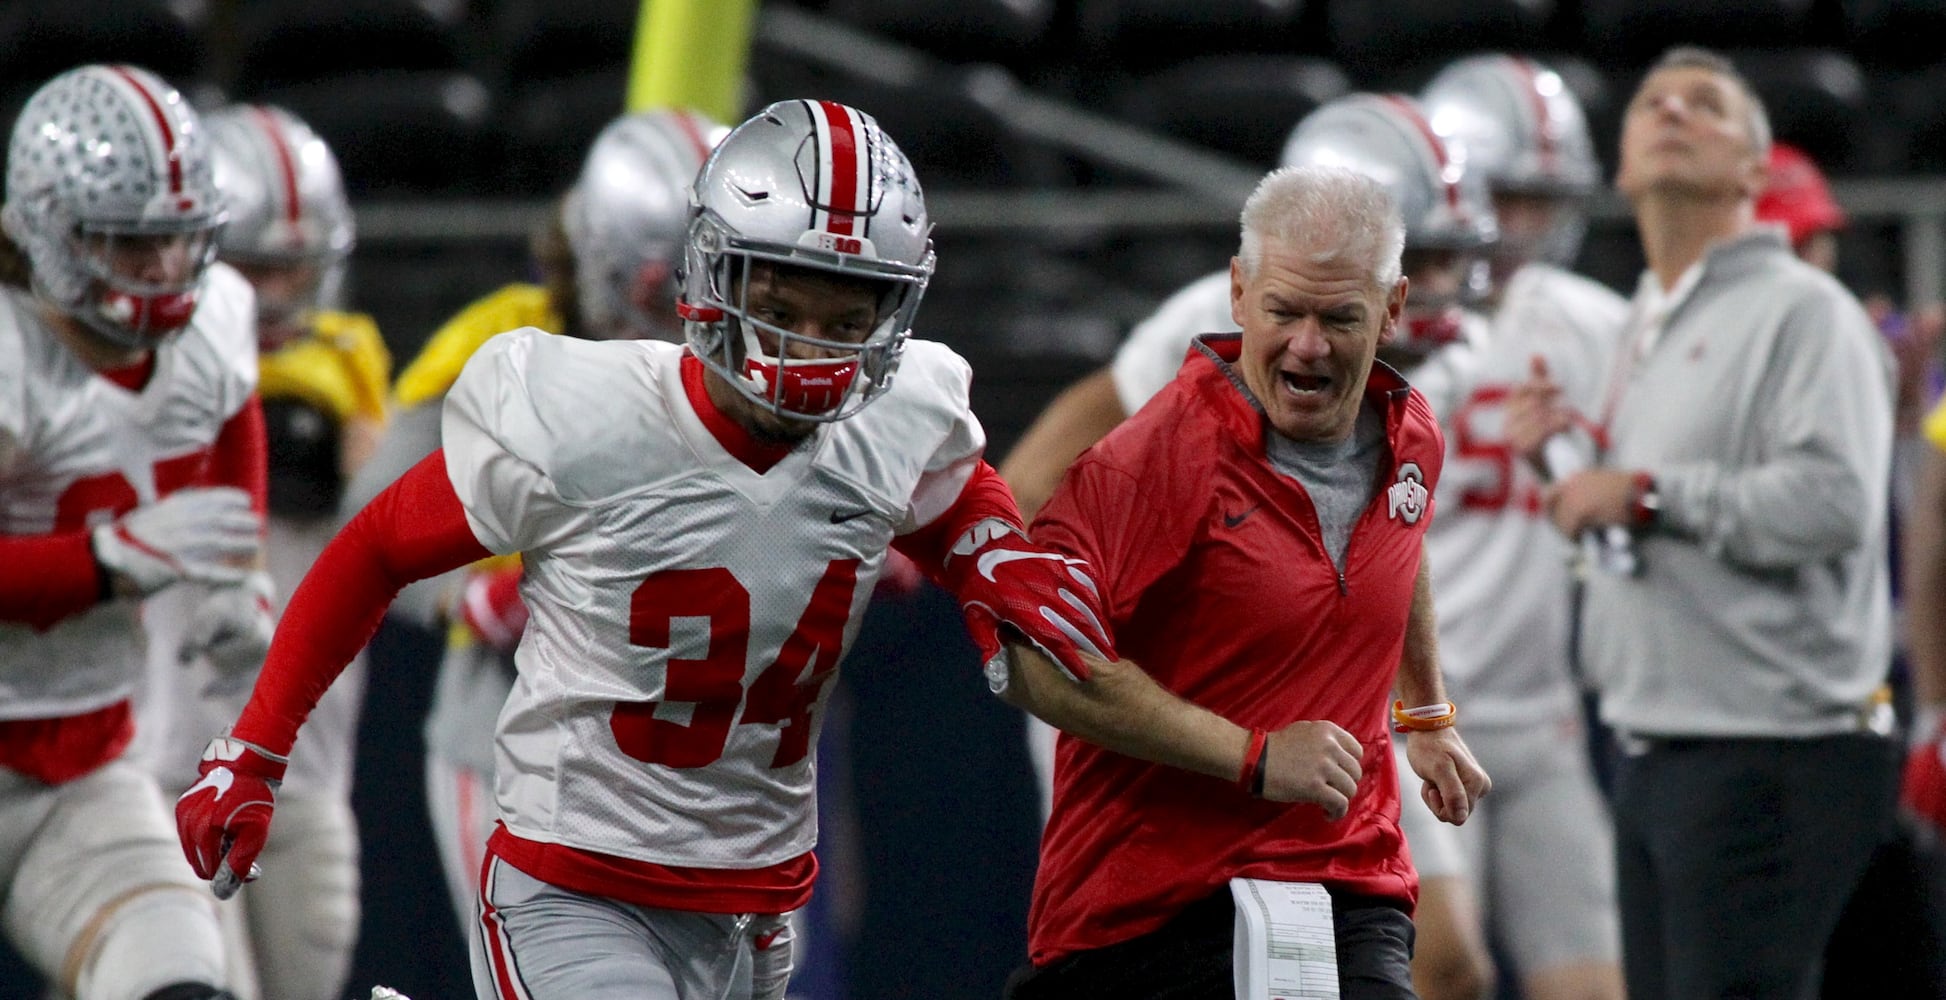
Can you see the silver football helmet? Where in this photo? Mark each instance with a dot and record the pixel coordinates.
(808, 185)
(290, 226)
(1443, 201)
(110, 195)
(626, 216)
(1526, 133)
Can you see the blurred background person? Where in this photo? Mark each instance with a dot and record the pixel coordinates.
(1748, 446)
(131, 466)
(1541, 848)
(323, 376)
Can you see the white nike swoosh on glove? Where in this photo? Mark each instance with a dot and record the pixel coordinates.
(990, 560)
(219, 779)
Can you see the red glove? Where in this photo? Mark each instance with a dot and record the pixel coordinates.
(224, 817)
(490, 605)
(1000, 577)
(1923, 792)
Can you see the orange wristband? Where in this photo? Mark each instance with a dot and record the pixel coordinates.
(1424, 719)
(1250, 777)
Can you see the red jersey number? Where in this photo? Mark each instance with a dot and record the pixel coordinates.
(94, 499)
(713, 686)
(1485, 448)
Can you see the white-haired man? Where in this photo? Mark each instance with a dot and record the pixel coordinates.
(1255, 533)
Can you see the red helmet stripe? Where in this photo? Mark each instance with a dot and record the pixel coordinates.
(1433, 143)
(842, 180)
(286, 166)
(1543, 135)
(170, 151)
(686, 123)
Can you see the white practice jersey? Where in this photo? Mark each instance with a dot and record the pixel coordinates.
(1500, 569)
(78, 450)
(687, 613)
(1152, 353)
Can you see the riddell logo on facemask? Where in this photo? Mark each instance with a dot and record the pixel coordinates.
(1406, 499)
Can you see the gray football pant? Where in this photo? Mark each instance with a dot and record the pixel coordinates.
(543, 942)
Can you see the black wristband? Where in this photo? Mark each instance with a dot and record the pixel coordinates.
(1263, 762)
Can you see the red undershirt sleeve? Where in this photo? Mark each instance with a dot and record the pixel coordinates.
(985, 495)
(54, 577)
(48, 578)
(240, 457)
(413, 530)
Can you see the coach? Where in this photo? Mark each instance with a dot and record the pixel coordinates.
(1749, 427)
(1256, 533)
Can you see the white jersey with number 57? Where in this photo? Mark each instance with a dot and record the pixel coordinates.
(687, 611)
(77, 450)
(1500, 568)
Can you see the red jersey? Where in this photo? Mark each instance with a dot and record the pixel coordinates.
(1217, 581)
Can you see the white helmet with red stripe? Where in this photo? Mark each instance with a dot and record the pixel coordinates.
(287, 210)
(1444, 203)
(626, 217)
(1524, 131)
(814, 185)
(110, 194)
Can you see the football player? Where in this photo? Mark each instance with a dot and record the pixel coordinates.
(131, 464)
(608, 258)
(322, 376)
(700, 531)
(1543, 856)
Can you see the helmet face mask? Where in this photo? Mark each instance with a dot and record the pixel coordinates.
(110, 195)
(810, 194)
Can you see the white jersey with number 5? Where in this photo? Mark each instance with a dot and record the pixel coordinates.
(77, 450)
(1501, 568)
(687, 612)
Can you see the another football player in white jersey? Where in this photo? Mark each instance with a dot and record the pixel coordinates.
(608, 259)
(1449, 224)
(700, 530)
(131, 464)
(322, 378)
(1543, 855)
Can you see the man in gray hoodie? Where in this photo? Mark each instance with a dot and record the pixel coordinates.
(1746, 441)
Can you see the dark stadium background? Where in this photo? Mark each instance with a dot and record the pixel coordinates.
(1083, 159)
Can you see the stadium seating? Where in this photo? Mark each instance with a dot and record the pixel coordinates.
(291, 41)
(400, 132)
(40, 38)
(1630, 33)
(1011, 33)
(1244, 105)
(1816, 99)
(1373, 37)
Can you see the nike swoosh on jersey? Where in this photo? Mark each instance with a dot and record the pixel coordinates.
(219, 779)
(1232, 520)
(840, 517)
(991, 560)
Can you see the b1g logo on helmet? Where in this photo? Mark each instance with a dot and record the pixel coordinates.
(840, 244)
(1406, 499)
